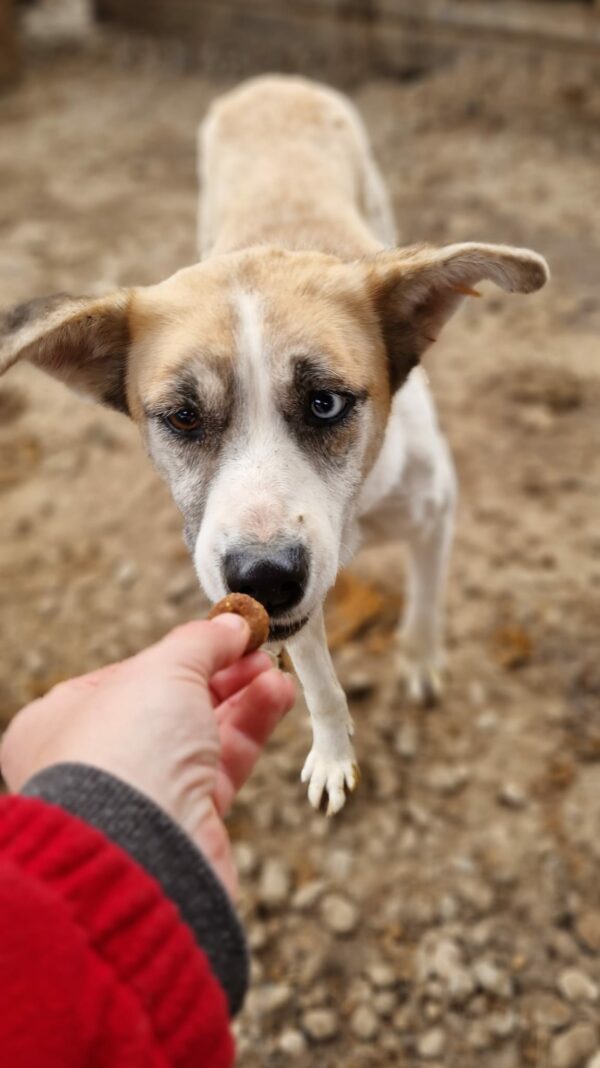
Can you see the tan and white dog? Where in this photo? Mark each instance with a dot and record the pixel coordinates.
(276, 384)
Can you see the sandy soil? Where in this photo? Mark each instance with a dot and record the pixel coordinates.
(451, 915)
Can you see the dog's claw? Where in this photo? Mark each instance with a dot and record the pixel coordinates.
(328, 776)
(424, 685)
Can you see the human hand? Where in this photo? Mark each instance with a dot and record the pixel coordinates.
(184, 721)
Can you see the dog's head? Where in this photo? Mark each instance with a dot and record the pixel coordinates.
(261, 382)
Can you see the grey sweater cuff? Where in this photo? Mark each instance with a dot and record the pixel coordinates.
(136, 824)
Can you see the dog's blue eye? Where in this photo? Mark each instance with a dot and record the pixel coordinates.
(327, 406)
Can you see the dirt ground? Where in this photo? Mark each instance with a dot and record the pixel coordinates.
(451, 915)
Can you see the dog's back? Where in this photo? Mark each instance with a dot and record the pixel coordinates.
(286, 161)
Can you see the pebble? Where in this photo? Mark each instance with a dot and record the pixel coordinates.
(502, 1024)
(445, 962)
(180, 587)
(384, 1003)
(320, 1024)
(571, 1048)
(358, 684)
(126, 573)
(403, 1019)
(258, 937)
(407, 741)
(511, 795)
(595, 1061)
(364, 1023)
(267, 999)
(339, 864)
(492, 979)
(448, 780)
(274, 885)
(487, 720)
(588, 929)
(577, 986)
(308, 895)
(478, 1036)
(339, 914)
(431, 1044)
(245, 858)
(292, 1043)
(547, 1011)
(381, 975)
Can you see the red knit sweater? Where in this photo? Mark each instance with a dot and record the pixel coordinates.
(96, 967)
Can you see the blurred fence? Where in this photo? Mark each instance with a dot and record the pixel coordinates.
(344, 40)
(9, 51)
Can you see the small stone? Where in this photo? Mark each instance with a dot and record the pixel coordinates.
(180, 587)
(476, 894)
(126, 574)
(267, 999)
(339, 914)
(382, 975)
(245, 858)
(258, 937)
(308, 895)
(407, 741)
(403, 1019)
(35, 662)
(431, 1044)
(384, 1003)
(292, 1043)
(577, 986)
(570, 1049)
(274, 886)
(492, 979)
(448, 780)
(547, 1011)
(487, 720)
(358, 684)
(502, 1024)
(511, 795)
(364, 1023)
(588, 929)
(432, 1011)
(595, 1061)
(478, 1036)
(445, 962)
(338, 863)
(320, 1024)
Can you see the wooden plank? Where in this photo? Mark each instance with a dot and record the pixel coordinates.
(9, 44)
(346, 40)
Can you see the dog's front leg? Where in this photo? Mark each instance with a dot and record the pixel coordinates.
(331, 764)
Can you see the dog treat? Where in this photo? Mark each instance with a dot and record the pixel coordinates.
(255, 615)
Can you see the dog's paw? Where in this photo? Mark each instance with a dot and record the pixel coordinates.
(334, 777)
(423, 684)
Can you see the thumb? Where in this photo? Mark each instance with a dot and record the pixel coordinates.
(204, 647)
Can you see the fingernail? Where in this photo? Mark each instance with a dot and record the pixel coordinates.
(231, 620)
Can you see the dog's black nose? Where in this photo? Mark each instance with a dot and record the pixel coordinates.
(278, 580)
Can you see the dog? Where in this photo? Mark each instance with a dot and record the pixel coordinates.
(277, 383)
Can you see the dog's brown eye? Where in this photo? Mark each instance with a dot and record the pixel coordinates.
(184, 421)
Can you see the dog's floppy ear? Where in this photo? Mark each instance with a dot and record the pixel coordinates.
(417, 289)
(83, 341)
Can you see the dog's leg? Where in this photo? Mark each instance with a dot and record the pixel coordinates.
(331, 764)
(428, 552)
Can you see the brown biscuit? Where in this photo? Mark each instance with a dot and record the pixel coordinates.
(255, 615)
